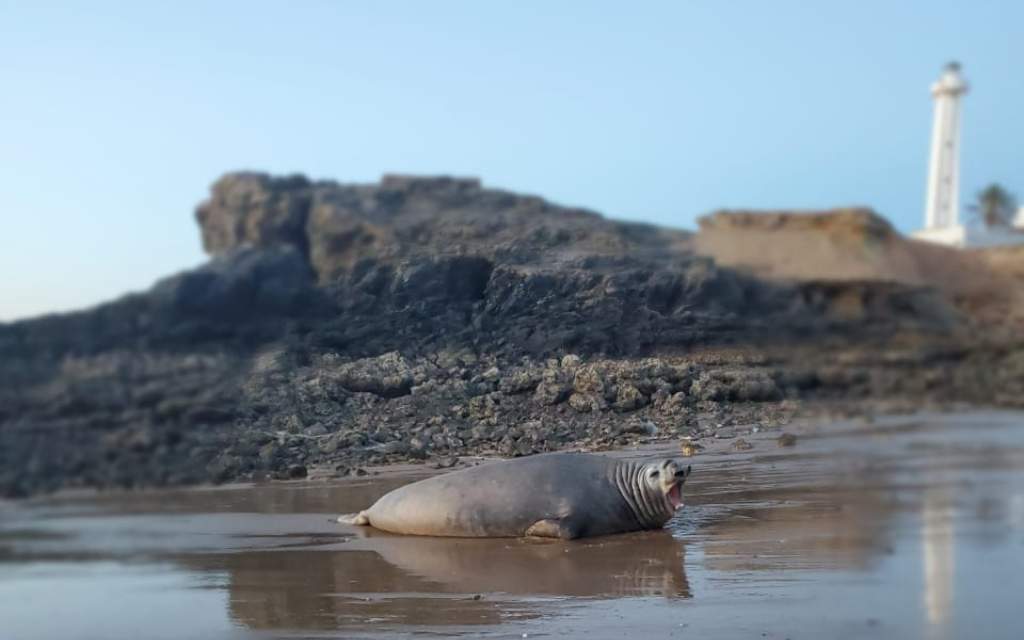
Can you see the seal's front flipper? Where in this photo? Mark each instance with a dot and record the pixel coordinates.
(358, 519)
(553, 529)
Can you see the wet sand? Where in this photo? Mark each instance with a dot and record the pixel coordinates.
(902, 528)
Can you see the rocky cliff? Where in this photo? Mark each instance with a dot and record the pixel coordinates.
(338, 324)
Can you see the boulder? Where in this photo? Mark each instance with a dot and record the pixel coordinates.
(254, 210)
(388, 375)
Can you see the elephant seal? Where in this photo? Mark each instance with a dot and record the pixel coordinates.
(553, 495)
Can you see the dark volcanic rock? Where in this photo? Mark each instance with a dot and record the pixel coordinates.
(388, 375)
(236, 285)
(341, 325)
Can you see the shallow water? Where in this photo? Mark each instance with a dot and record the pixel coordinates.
(909, 527)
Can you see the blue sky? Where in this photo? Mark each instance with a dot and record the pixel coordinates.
(116, 117)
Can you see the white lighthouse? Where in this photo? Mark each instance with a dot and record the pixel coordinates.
(942, 198)
(942, 222)
(943, 202)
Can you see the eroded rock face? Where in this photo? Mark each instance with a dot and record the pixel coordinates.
(239, 283)
(339, 325)
(254, 209)
(448, 258)
(340, 225)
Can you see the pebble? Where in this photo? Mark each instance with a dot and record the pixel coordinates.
(742, 445)
(691, 449)
(446, 462)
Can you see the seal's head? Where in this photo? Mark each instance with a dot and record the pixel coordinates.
(665, 478)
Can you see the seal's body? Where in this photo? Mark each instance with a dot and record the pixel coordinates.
(558, 495)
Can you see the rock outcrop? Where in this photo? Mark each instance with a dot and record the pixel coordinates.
(338, 325)
(846, 246)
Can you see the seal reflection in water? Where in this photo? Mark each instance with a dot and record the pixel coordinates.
(554, 495)
(424, 582)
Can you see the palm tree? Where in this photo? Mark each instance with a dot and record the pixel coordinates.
(995, 206)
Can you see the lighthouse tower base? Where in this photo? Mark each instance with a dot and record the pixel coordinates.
(954, 236)
(973, 237)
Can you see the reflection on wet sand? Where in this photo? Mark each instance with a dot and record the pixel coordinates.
(431, 581)
(327, 590)
(835, 528)
(871, 528)
(937, 545)
(640, 564)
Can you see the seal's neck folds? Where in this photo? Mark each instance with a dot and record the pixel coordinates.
(649, 505)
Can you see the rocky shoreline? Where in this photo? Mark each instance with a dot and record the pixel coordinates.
(341, 326)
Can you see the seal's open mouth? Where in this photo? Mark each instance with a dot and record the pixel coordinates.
(675, 496)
